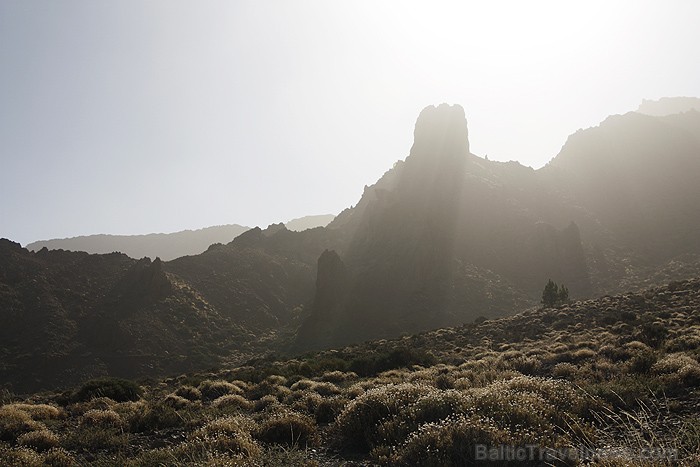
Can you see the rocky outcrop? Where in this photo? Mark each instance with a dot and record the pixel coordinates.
(434, 236)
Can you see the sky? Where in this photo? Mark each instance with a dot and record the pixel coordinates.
(131, 117)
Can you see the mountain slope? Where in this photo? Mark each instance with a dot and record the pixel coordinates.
(157, 245)
(593, 382)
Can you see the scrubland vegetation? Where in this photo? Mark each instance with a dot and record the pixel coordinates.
(605, 379)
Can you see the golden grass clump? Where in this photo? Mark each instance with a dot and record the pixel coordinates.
(211, 390)
(101, 418)
(39, 440)
(228, 434)
(39, 411)
(14, 422)
(288, 428)
(190, 393)
(338, 377)
(59, 457)
(20, 456)
(358, 423)
(232, 401)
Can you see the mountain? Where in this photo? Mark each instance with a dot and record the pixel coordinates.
(446, 236)
(669, 105)
(309, 222)
(638, 178)
(443, 238)
(157, 245)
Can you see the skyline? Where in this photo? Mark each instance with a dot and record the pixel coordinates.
(131, 118)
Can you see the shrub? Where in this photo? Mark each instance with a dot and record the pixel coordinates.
(432, 407)
(154, 417)
(228, 434)
(231, 401)
(39, 411)
(211, 390)
(653, 333)
(397, 358)
(15, 422)
(101, 418)
(302, 385)
(40, 440)
(59, 457)
(328, 409)
(290, 428)
(684, 342)
(673, 363)
(120, 390)
(325, 389)
(564, 370)
(626, 390)
(176, 402)
(337, 376)
(93, 438)
(190, 393)
(306, 401)
(642, 362)
(358, 423)
(265, 402)
(452, 441)
(19, 457)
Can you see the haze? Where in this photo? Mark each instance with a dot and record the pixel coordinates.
(134, 117)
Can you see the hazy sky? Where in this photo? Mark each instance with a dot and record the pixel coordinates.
(156, 116)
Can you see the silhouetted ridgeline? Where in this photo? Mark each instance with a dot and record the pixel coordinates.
(160, 245)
